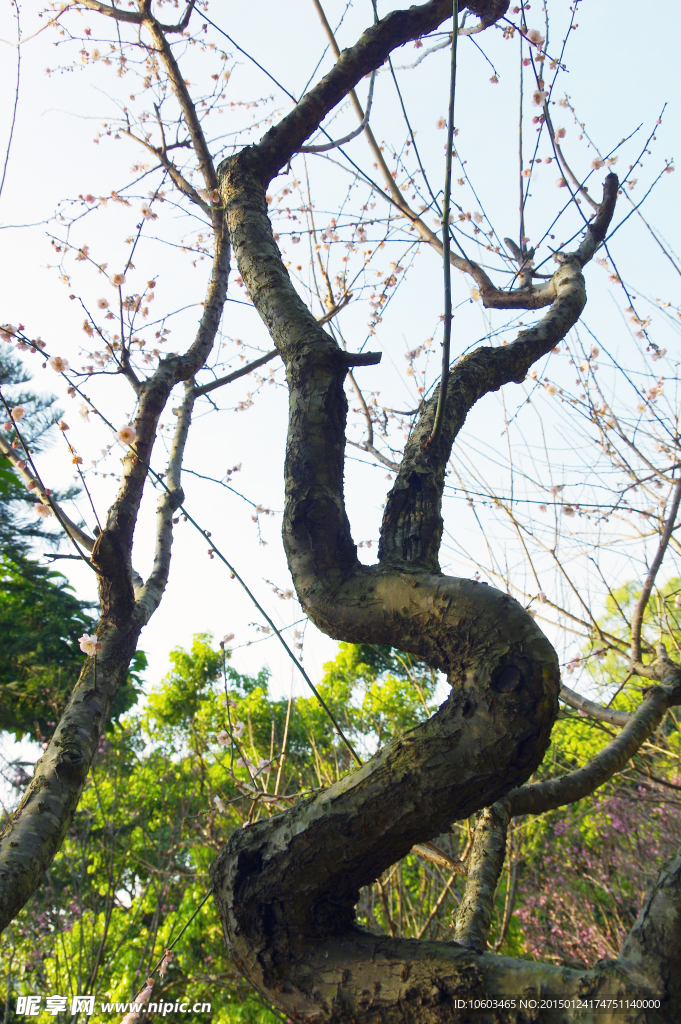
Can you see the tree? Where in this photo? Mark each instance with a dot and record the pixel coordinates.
(286, 886)
(40, 618)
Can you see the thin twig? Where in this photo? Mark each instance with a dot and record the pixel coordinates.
(446, 341)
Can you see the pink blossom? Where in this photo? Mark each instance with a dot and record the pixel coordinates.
(167, 957)
(221, 807)
(43, 510)
(89, 644)
(223, 738)
(127, 434)
(58, 364)
(17, 413)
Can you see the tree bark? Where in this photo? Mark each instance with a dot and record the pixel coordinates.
(286, 888)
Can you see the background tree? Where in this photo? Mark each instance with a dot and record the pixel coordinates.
(286, 886)
(40, 618)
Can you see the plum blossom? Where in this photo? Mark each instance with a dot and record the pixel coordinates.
(58, 364)
(8, 426)
(264, 766)
(239, 730)
(127, 434)
(168, 954)
(535, 36)
(223, 738)
(89, 644)
(559, 133)
(117, 280)
(220, 806)
(209, 197)
(103, 303)
(538, 97)
(43, 510)
(17, 413)
(142, 997)
(226, 639)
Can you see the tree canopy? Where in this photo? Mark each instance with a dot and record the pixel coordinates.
(526, 540)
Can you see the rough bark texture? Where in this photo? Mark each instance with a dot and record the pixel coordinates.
(286, 887)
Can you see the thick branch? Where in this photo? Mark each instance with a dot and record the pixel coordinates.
(591, 709)
(37, 827)
(412, 522)
(474, 916)
(149, 596)
(546, 796)
(369, 53)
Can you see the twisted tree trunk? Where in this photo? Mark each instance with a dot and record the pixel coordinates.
(286, 887)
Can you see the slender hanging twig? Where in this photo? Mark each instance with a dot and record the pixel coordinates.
(446, 341)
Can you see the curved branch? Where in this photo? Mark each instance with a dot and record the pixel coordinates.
(553, 793)
(591, 709)
(34, 484)
(326, 146)
(474, 916)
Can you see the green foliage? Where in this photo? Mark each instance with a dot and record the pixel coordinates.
(40, 660)
(40, 616)
(16, 530)
(134, 866)
(212, 751)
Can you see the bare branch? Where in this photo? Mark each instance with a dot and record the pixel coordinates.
(186, 103)
(642, 603)
(34, 483)
(546, 796)
(117, 13)
(326, 146)
(474, 916)
(150, 594)
(248, 368)
(432, 853)
(591, 709)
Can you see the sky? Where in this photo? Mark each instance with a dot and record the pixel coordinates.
(621, 71)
